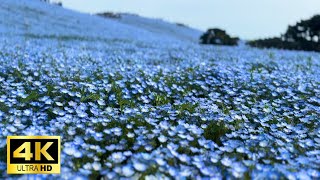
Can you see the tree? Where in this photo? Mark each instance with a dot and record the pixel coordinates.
(308, 30)
(218, 37)
(305, 35)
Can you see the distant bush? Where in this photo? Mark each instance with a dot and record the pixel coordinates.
(181, 25)
(273, 43)
(57, 3)
(305, 35)
(218, 37)
(110, 15)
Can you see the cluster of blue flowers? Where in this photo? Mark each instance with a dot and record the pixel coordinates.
(237, 114)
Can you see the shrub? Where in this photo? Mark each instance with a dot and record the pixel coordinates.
(218, 37)
(181, 25)
(110, 15)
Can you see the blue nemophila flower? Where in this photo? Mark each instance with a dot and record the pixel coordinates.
(162, 138)
(27, 112)
(59, 104)
(64, 91)
(72, 150)
(81, 113)
(101, 102)
(127, 171)
(139, 166)
(130, 135)
(37, 83)
(226, 161)
(117, 157)
(96, 166)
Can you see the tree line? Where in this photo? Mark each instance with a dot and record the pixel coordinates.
(304, 35)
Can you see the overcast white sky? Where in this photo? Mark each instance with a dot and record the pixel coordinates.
(247, 19)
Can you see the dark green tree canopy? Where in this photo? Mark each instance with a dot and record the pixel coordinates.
(218, 37)
(305, 35)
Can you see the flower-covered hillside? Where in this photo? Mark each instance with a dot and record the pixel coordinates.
(133, 103)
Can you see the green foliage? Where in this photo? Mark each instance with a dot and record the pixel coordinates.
(218, 37)
(215, 130)
(150, 171)
(90, 97)
(33, 96)
(187, 107)
(305, 35)
(160, 99)
(4, 107)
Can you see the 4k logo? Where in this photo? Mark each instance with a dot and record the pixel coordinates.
(33, 154)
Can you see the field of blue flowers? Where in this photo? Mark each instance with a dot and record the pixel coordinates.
(140, 105)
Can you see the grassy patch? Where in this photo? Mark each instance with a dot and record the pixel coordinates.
(214, 131)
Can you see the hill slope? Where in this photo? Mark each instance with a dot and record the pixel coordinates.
(137, 98)
(42, 19)
(159, 26)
